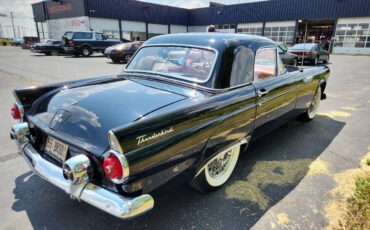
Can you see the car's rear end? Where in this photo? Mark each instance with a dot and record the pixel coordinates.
(68, 43)
(304, 52)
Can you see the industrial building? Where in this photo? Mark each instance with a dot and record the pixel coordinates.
(343, 24)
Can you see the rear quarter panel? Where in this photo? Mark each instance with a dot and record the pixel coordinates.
(200, 130)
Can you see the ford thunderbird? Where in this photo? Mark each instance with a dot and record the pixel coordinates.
(184, 108)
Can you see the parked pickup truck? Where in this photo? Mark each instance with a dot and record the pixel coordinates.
(85, 43)
(184, 109)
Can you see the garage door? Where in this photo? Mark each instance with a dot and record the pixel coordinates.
(175, 29)
(109, 27)
(250, 28)
(281, 32)
(133, 30)
(352, 36)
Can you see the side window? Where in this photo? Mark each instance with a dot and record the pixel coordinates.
(98, 36)
(82, 36)
(242, 69)
(265, 64)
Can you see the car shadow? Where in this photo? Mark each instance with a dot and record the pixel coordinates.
(92, 56)
(266, 172)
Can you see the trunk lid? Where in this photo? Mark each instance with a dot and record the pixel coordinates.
(83, 116)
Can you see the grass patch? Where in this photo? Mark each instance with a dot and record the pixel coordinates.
(358, 206)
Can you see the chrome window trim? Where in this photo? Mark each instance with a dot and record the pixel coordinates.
(276, 64)
(177, 45)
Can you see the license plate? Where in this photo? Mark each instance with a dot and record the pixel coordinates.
(56, 148)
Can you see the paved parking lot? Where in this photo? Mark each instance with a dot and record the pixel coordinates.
(282, 180)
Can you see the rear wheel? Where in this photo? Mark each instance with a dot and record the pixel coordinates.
(86, 51)
(54, 53)
(217, 171)
(127, 58)
(316, 60)
(311, 111)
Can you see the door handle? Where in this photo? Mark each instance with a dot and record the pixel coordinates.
(262, 92)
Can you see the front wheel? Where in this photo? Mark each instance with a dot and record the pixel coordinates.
(217, 171)
(311, 111)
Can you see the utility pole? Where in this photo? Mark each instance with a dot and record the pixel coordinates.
(1, 31)
(11, 15)
(19, 32)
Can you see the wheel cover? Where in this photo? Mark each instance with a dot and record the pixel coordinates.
(128, 57)
(314, 106)
(86, 51)
(219, 170)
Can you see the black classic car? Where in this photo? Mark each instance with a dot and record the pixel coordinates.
(122, 52)
(86, 43)
(183, 110)
(310, 52)
(50, 47)
(287, 57)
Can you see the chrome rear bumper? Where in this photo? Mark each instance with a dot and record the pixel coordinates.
(110, 202)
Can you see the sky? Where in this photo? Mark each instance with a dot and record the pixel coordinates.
(25, 26)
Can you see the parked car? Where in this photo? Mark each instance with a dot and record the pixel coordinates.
(28, 41)
(50, 47)
(183, 110)
(287, 57)
(17, 42)
(85, 43)
(42, 42)
(122, 52)
(310, 52)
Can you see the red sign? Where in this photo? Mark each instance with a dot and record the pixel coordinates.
(55, 9)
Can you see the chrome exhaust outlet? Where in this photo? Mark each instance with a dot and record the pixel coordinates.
(75, 169)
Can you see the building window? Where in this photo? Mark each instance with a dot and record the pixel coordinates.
(280, 34)
(352, 35)
(250, 30)
(227, 28)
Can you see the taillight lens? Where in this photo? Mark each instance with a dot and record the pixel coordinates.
(308, 53)
(16, 113)
(72, 43)
(112, 167)
(116, 167)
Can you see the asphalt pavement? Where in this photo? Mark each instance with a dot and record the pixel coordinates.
(282, 181)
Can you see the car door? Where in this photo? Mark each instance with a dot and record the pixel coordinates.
(275, 87)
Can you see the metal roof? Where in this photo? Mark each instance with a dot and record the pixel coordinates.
(266, 11)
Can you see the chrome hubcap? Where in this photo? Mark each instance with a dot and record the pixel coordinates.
(219, 166)
(86, 51)
(128, 57)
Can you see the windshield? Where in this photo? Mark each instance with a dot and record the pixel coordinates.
(303, 46)
(187, 63)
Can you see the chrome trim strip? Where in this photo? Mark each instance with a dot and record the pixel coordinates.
(108, 201)
(176, 45)
(242, 141)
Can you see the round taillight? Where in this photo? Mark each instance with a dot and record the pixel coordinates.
(16, 114)
(112, 167)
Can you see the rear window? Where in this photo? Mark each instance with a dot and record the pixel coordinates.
(69, 35)
(303, 46)
(194, 64)
(82, 35)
